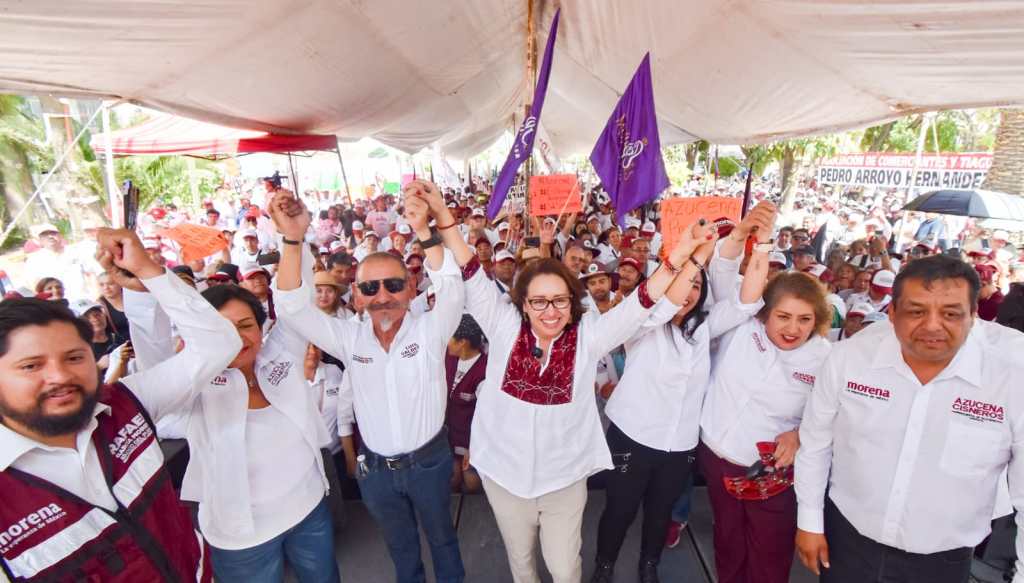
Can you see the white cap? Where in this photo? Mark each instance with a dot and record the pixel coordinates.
(649, 228)
(250, 233)
(503, 256)
(357, 226)
(503, 226)
(884, 278)
(776, 257)
(324, 250)
(43, 228)
(478, 212)
(335, 245)
(632, 222)
(861, 308)
(80, 307)
(1000, 235)
(875, 317)
(816, 270)
(403, 229)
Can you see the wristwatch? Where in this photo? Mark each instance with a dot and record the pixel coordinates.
(435, 239)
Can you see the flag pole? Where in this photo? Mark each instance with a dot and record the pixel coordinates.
(746, 191)
(531, 81)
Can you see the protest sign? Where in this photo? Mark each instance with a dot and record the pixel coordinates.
(678, 214)
(554, 194)
(197, 241)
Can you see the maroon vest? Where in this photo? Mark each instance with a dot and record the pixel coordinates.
(50, 534)
(462, 398)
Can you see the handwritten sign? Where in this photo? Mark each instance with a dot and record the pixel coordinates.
(678, 214)
(197, 241)
(554, 194)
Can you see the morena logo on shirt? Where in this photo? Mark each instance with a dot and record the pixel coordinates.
(278, 373)
(978, 410)
(219, 381)
(867, 391)
(410, 350)
(807, 379)
(758, 342)
(362, 359)
(28, 525)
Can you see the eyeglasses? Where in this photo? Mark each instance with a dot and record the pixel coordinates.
(370, 288)
(541, 304)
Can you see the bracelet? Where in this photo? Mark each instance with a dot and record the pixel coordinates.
(448, 226)
(288, 241)
(668, 264)
(697, 263)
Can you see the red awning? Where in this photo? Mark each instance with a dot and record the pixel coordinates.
(167, 134)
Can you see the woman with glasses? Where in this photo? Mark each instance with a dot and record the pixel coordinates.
(536, 433)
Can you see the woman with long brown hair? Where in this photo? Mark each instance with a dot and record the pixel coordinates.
(536, 433)
(761, 376)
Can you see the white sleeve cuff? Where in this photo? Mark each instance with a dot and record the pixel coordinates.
(810, 519)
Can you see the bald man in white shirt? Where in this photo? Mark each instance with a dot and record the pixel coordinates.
(910, 427)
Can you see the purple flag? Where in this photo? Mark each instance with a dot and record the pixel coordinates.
(523, 144)
(627, 155)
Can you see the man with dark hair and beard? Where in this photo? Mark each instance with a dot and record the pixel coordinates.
(86, 496)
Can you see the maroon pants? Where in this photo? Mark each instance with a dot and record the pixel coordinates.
(754, 540)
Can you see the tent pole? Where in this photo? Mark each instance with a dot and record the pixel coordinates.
(46, 179)
(344, 178)
(911, 188)
(531, 82)
(113, 194)
(295, 178)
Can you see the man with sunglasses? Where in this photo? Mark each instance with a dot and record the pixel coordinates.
(395, 360)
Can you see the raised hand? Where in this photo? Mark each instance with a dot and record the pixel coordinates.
(429, 193)
(126, 252)
(417, 213)
(289, 215)
(700, 233)
(121, 277)
(547, 232)
(759, 221)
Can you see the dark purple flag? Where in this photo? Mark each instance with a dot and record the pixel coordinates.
(627, 155)
(522, 147)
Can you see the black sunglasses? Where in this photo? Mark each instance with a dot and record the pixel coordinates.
(392, 284)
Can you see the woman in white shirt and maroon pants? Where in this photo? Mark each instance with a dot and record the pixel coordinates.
(761, 376)
(536, 433)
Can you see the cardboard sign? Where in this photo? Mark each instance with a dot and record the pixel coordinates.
(554, 195)
(678, 214)
(197, 241)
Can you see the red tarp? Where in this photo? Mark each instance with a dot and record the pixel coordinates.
(168, 134)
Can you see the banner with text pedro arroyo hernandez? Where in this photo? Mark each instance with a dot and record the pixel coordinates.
(887, 170)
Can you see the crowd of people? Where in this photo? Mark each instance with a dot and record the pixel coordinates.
(839, 374)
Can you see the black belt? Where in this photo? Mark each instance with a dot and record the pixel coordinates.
(400, 462)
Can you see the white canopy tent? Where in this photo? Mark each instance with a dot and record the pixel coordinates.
(413, 72)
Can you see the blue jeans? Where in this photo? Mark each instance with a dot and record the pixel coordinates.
(308, 546)
(681, 509)
(395, 497)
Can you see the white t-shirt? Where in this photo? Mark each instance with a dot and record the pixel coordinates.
(284, 481)
(461, 368)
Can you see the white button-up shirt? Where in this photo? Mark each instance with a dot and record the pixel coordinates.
(400, 395)
(658, 400)
(210, 344)
(914, 467)
(757, 391)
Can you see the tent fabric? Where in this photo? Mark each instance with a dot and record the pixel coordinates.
(415, 73)
(167, 134)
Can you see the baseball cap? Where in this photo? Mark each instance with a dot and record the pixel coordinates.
(226, 272)
(250, 270)
(860, 309)
(82, 307)
(1000, 235)
(250, 233)
(593, 217)
(478, 212)
(632, 263)
(648, 228)
(503, 256)
(776, 258)
(589, 246)
(502, 226)
(884, 279)
(373, 234)
(595, 268)
(403, 229)
(816, 270)
(335, 245)
(325, 250)
(357, 226)
(41, 228)
(875, 317)
(632, 223)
